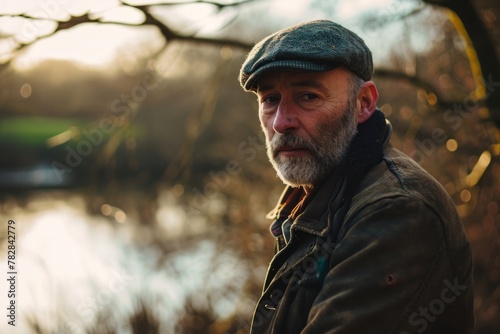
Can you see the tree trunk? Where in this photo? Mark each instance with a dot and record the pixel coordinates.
(482, 42)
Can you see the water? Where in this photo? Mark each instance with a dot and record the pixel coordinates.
(76, 270)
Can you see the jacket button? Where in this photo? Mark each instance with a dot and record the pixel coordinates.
(270, 307)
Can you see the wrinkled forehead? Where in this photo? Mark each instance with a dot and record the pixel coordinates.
(287, 76)
(298, 78)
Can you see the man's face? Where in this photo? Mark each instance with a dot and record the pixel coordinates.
(309, 120)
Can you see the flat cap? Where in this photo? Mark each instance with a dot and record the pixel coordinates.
(320, 45)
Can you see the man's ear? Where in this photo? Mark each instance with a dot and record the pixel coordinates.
(367, 101)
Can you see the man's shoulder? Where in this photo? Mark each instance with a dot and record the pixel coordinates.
(412, 200)
(399, 177)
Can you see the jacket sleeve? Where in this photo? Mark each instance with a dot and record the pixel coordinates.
(384, 265)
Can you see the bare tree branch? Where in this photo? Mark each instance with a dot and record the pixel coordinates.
(386, 16)
(150, 19)
(418, 82)
(214, 3)
(483, 44)
(171, 35)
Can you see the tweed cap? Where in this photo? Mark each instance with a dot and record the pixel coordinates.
(312, 46)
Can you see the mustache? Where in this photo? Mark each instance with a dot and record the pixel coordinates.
(290, 141)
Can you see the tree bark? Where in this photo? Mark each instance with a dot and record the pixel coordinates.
(483, 44)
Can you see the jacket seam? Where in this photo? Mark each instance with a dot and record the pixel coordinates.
(346, 225)
(395, 171)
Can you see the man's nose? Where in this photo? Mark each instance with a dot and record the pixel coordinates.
(285, 118)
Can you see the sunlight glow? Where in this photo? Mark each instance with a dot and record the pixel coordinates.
(123, 14)
(478, 170)
(286, 9)
(465, 195)
(99, 45)
(90, 45)
(451, 145)
(75, 266)
(25, 90)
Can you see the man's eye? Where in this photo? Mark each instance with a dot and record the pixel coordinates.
(269, 99)
(309, 96)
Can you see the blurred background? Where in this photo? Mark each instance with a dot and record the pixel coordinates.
(133, 165)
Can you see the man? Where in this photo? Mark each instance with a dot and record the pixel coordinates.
(366, 240)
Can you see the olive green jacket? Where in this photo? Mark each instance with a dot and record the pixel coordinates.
(396, 260)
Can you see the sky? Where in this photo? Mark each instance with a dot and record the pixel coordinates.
(99, 45)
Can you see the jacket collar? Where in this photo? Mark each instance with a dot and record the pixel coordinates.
(364, 152)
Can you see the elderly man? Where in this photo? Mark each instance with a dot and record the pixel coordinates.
(366, 240)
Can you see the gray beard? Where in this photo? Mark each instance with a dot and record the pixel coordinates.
(325, 153)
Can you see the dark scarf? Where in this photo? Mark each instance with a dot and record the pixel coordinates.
(366, 149)
(365, 152)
